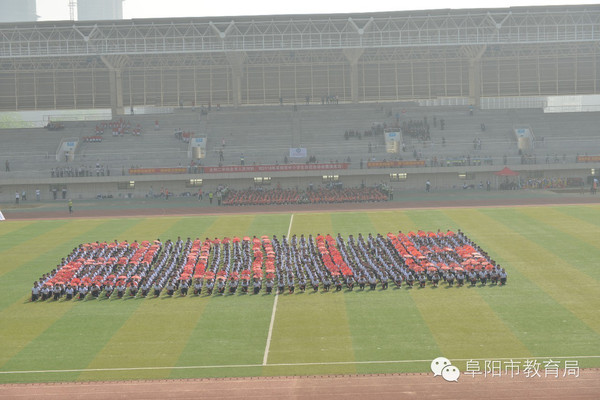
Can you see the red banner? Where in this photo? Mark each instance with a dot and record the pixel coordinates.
(588, 159)
(392, 164)
(275, 168)
(150, 171)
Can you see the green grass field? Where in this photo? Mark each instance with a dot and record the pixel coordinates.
(549, 309)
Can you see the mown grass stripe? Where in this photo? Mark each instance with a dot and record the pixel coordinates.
(71, 340)
(346, 224)
(34, 257)
(452, 313)
(151, 336)
(229, 226)
(524, 307)
(559, 279)
(431, 220)
(583, 213)
(392, 221)
(241, 321)
(66, 322)
(158, 319)
(464, 325)
(22, 248)
(23, 321)
(400, 334)
(231, 329)
(312, 223)
(269, 225)
(558, 219)
(311, 328)
(15, 231)
(572, 240)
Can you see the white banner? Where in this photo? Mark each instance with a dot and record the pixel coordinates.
(2, 216)
(298, 152)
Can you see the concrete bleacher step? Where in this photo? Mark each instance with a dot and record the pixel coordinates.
(265, 135)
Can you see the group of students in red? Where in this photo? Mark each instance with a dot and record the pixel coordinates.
(276, 264)
(279, 196)
(261, 197)
(346, 195)
(118, 128)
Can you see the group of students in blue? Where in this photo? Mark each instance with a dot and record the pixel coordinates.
(268, 265)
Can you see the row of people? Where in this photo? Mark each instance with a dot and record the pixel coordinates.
(81, 171)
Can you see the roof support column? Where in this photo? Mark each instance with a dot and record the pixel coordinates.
(115, 81)
(236, 61)
(353, 55)
(116, 92)
(474, 82)
(475, 75)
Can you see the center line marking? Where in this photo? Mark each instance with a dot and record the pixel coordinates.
(270, 334)
(290, 227)
(266, 356)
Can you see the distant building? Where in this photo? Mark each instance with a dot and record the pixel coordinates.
(88, 10)
(17, 11)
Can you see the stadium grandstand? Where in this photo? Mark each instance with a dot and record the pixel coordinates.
(399, 98)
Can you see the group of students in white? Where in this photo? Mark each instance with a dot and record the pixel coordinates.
(119, 269)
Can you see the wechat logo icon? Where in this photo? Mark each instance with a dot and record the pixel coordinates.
(442, 366)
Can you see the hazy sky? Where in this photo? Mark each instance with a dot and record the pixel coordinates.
(59, 9)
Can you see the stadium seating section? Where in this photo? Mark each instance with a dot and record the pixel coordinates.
(329, 133)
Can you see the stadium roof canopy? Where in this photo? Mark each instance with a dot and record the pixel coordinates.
(522, 51)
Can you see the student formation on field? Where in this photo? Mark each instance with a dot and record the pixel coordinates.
(268, 265)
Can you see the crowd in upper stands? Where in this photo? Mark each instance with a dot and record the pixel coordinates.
(82, 170)
(182, 135)
(417, 145)
(418, 129)
(375, 130)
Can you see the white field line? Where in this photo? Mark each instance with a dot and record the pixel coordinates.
(266, 355)
(289, 364)
(290, 227)
(270, 334)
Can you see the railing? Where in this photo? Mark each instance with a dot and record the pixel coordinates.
(454, 28)
(182, 45)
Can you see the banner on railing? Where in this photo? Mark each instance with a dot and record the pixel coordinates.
(240, 168)
(151, 171)
(582, 159)
(276, 168)
(393, 164)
